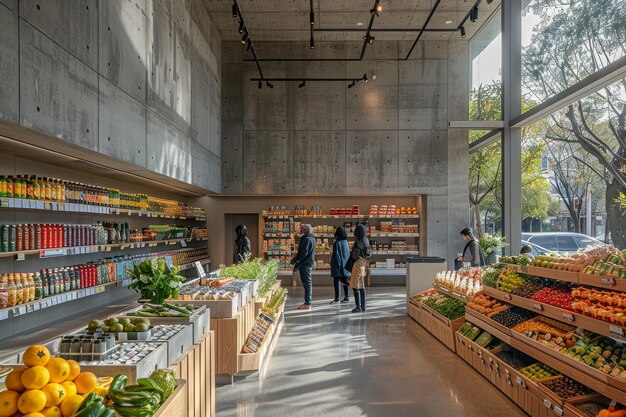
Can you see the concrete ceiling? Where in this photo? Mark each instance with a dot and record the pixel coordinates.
(288, 20)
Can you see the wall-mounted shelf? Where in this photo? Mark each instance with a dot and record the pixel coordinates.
(82, 250)
(27, 204)
(342, 217)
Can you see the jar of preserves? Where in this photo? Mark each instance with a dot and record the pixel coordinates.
(18, 289)
(4, 291)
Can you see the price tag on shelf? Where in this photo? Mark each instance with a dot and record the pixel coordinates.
(55, 207)
(538, 307)
(4, 314)
(608, 282)
(117, 211)
(4, 202)
(200, 269)
(557, 410)
(20, 257)
(138, 213)
(568, 316)
(507, 296)
(183, 243)
(19, 203)
(547, 403)
(524, 269)
(616, 330)
(22, 310)
(152, 245)
(32, 204)
(36, 306)
(61, 207)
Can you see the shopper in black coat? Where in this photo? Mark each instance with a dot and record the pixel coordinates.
(241, 250)
(338, 261)
(471, 252)
(357, 264)
(304, 261)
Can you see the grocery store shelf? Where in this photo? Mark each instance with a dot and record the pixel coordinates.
(591, 280)
(399, 272)
(408, 252)
(81, 250)
(451, 293)
(485, 323)
(28, 204)
(379, 235)
(566, 316)
(191, 265)
(342, 217)
(277, 235)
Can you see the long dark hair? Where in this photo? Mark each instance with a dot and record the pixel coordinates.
(241, 233)
(468, 232)
(360, 233)
(340, 233)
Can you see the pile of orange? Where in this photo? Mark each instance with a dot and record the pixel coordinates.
(46, 387)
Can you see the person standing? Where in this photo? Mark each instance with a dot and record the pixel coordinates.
(338, 262)
(304, 261)
(357, 264)
(241, 251)
(471, 253)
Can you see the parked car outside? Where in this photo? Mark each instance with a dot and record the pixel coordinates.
(561, 241)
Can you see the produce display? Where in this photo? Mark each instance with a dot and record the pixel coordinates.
(515, 358)
(119, 324)
(524, 259)
(143, 398)
(602, 305)
(548, 332)
(155, 280)
(125, 353)
(538, 371)
(448, 307)
(604, 411)
(565, 387)
(277, 300)
(486, 305)
(265, 271)
(510, 280)
(512, 316)
(602, 353)
(258, 333)
(164, 310)
(558, 295)
(202, 292)
(466, 281)
(529, 288)
(604, 260)
(490, 277)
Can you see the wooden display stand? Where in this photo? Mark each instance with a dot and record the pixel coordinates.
(414, 310)
(177, 404)
(231, 334)
(260, 302)
(439, 326)
(197, 367)
(250, 362)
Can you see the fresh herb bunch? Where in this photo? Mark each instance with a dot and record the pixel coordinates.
(490, 277)
(447, 306)
(265, 271)
(155, 280)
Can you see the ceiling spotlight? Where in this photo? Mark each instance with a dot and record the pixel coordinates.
(369, 38)
(235, 9)
(302, 84)
(352, 84)
(379, 8)
(359, 23)
(474, 14)
(260, 84)
(241, 26)
(365, 78)
(269, 84)
(312, 18)
(312, 43)
(448, 22)
(249, 44)
(462, 29)
(244, 38)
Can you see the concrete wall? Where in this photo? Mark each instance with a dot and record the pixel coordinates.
(388, 136)
(138, 80)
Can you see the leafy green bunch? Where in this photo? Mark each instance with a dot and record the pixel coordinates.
(490, 244)
(265, 271)
(155, 280)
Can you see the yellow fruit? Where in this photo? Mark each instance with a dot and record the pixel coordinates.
(74, 369)
(101, 391)
(34, 415)
(70, 404)
(55, 393)
(70, 388)
(36, 355)
(13, 381)
(59, 369)
(8, 403)
(85, 382)
(51, 412)
(31, 401)
(36, 377)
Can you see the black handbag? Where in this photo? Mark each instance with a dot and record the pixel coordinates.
(350, 264)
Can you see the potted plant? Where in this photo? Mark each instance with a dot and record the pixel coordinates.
(155, 281)
(492, 247)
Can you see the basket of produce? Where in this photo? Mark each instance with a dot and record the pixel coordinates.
(560, 388)
(550, 333)
(593, 407)
(171, 313)
(222, 303)
(486, 305)
(122, 328)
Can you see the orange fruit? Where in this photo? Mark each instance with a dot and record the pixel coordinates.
(34, 415)
(36, 377)
(36, 355)
(70, 388)
(31, 401)
(59, 369)
(51, 412)
(74, 369)
(8, 403)
(85, 382)
(55, 394)
(71, 404)
(13, 381)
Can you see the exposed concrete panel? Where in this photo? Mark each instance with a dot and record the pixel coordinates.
(122, 125)
(423, 72)
(232, 158)
(11, 4)
(169, 149)
(232, 52)
(458, 81)
(423, 118)
(216, 115)
(372, 162)
(268, 108)
(268, 163)
(431, 49)
(319, 162)
(200, 90)
(384, 50)
(436, 225)
(414, 97)
(123, 44)
(9, 68)
(232, 92)
(59, 94)
(423, 162)
(71, 24)
(200, 167)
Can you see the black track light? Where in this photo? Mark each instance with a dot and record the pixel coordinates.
(302, 84)
(312, 43)
(365, 78)
(370, 40)
(244, 38)
(235, 9)
(260, 84)
(352, 84)
(474, 14)
(249, 44)
(311, 18)
(379, 8)
(462, 29)
(269, 84)
(241, 26)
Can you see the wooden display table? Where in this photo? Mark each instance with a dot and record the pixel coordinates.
(177, 405)
(251, 362)
(230, 335)
(439, 326)
(260, 302)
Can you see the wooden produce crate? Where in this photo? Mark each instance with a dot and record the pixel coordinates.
(493, 327)
(199, 318)
(552, 401)
(441, 327)
(572, 409)
(560, 275)
(261, 302)
(414, 310)
(250, 362)
(230, 335)
(218, 308)
(177, 404)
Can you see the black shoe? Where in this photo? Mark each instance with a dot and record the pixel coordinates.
(345, 300)
(356, 310)
(363, 309)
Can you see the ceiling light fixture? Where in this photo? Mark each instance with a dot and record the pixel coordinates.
(448, 22)
(379, 8)
(462, 29)
(312, 43)
(235, 9)
(369, 38)
(359, 23)
(245, 37)
(302, 84)
(474, 14)
(365, 78)
(249, 44)
(241, 26)
(352, 84)
(269, 84)
(312, 18)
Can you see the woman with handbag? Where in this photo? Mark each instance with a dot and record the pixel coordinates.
(338, 261)
(357, 264)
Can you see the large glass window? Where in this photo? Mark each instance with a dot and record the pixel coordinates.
(485, 190)
(564, 41)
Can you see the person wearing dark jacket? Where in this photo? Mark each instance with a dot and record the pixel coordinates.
(338, 261)
(471, 252)
(241, 251)
(357, 264)
(304, 261)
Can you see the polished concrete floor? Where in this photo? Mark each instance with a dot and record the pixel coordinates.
(330, 362)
